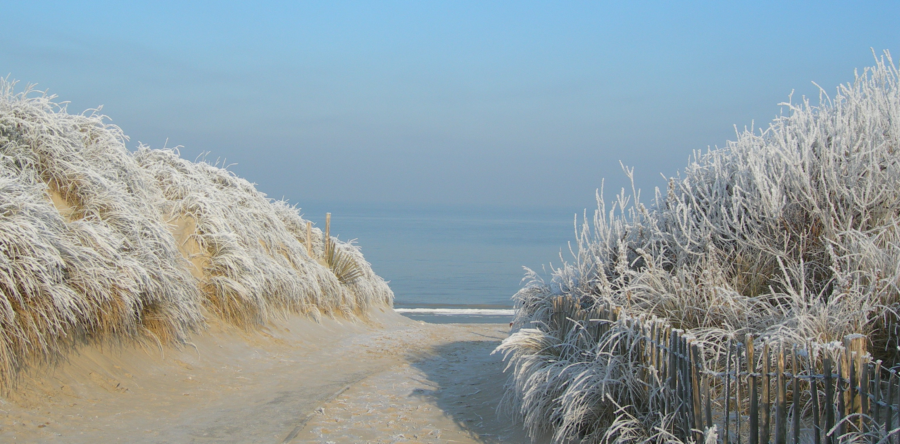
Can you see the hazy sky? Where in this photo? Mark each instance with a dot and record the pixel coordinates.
(506, 103)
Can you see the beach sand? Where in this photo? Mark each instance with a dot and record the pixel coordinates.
(390, 380)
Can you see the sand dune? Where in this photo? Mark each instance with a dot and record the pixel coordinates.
(391, 380)
(99, 243)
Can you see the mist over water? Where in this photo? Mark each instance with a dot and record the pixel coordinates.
(440, 256)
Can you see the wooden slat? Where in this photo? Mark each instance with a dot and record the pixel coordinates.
(862, 369)
(662, 357)
(684, 382)
(876, 411)
(653, 361)
(738, 396)
(328, 244)
(673, 381)
(688, 393)
(673, 365)
(659, 351)
(829, 400)
(677, 385)
(695, 388)
(727, 418)
(309, 238)
(897, 404)
(644, 355)
(664, 365)
(767, 395)
(754, 401)
(689, 387)
(814, 396)
(889, 414)
(781, 401)
(850, 405)
(706, 383)
(841, 398)
(795, 424)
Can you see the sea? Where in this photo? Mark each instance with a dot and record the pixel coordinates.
(452, 264)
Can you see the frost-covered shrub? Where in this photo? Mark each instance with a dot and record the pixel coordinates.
(789, 233)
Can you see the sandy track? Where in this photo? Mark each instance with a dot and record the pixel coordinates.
(449, 397)
(399, 381)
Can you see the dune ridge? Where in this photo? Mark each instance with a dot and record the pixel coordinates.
(98, 243)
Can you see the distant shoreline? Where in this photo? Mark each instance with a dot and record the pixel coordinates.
(456, 313)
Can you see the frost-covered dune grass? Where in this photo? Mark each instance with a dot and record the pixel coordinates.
(98, 243)
(790, 233)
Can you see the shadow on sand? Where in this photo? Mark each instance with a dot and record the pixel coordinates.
(468, 385)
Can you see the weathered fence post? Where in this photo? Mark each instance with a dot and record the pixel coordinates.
(754, 401)
(850, 404)
(709, 421)
(863, 369)
(696, 364)
(781, 402)
(728, 392)
(796, 395)
(896, 403)
(829, 401)
(876, 414)
(857, 374)
(889, 414)
(814, 394)
(672, 367)
(767, 395)
(327, 234)
(686, 390)
(841, 397)
(309, 238)
(737, 390)
(677, 384)
(664, 352)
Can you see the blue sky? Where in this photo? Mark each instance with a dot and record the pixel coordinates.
(505, 103)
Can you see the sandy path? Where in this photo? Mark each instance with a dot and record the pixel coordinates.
(449, 397)
(293, 382)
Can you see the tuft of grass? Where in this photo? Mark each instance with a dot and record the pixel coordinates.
(342, 265)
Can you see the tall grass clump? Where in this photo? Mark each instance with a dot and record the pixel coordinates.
(789, 233)
(251, 249)
(98, 243)
(83, 252)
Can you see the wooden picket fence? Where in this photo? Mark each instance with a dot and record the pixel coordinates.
(754, 392)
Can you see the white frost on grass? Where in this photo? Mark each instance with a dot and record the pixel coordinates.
(790, 233)
(87, 250)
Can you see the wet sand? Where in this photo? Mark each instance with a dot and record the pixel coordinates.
(391, 380)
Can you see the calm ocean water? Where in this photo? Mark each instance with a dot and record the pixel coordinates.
(460, 258)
